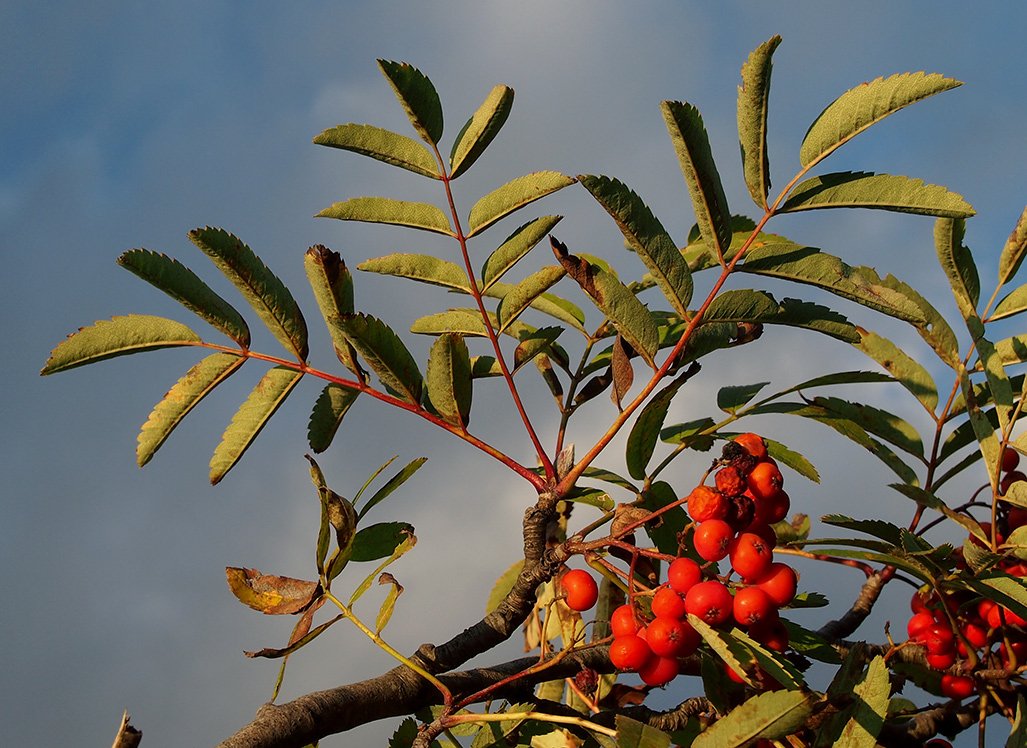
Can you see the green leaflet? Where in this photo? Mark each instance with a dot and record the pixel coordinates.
(932, 327)
(186, 394)
(512, 196)
(882, 191)
(900, 365)
(692, 145)
(522, 295)
(267, 294)
(389, 604)
(332, 284)
(886, 531)
(424, 268)
(1013, 251)
(413, 215)
(792, 459)
(998, 382)
(1012, 303)
(753, 99)
(726, 647)
(631, 318)
(516, 246)
(535, 343)
(633, 734)
(250, 419)
(646, 430)
(1003, 589)
(870, 708)
(958, 264)
(393, 483)
(503, 585)
(326, 417)
(449, 379)
(383, 145)
(889, 427)
(380, 540)
(931, 501)
(646, 236)
(118, 336)
(418, 97)
(742, 305)
(1018, 730)
(185, 287)
(860, 107)
(731, 398)
(779, 668)
(547, 303)
(463, 321)
(480, 130)
(384, 352)
(774, 714)
(811, 266)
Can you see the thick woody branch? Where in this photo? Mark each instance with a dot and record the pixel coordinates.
(861, 608)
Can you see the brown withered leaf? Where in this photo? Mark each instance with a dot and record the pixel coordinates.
(626, 514)
(621, 696)
(623, 373)
(271, 594)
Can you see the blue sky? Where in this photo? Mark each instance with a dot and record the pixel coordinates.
(126, 124)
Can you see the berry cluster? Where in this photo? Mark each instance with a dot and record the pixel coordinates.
(950, 626)
(731, 521)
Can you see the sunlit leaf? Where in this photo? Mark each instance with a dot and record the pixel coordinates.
(521, 295)
(418, 97)
(413, 215)
(906, 370)
(774, 714)
(646, 236)
(516, 246)
(870, 708)
(881, 191)
(326, 417)
(185, 287)
(932, 327)
(512, 196)
(449, 379)
(744, 305)
(379, 540)
(692, 145)
(480, 130)
(1012, 303)
(265, 398)
(1013, 251)
(389, 604)
(186, 393)
(546, 303)
(259, 286)
(811, 266)
(625, 311)
(424, 268)
(393, 483)
(332, 284)
(119, 336)
(875, 421)
(383, 145)
(384, 352)
(268, 593)
(633, 734)
(732, 397)
(860, 107)
(958, 264)
(753, 99)
(792, 459)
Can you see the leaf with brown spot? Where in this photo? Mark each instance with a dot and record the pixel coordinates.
(271, 594)
(623, 374)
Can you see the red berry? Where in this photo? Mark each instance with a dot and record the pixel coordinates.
(750, 555)
(938, 639)
(752, 606)
(711, 601)
(659, 671)
(707, 503)
(765, 480)
(629, 652)
(580, 589)
(919, 624)
(683, 574)
(771, 633)
(753, 444)
(729, 481)
(671, 637)
(711, 539)
(780, 583)
(623, 622)
(957, 686)
(773, 508)
(1009, 479)
(668, 604)
(974, 634)
(941, 661)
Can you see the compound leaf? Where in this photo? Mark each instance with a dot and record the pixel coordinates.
(119, 336)
(326, 417)
(882, 191)
(692, 145)
(267, 294)
(860, 107)
(186, 393)
(512, 196)
(413, 215)
(384, 352)
(185, 287)
(262, 402)
(646, 236)
(383, 145)
(449, 379)
(753, 100)
(480, 130)
(418, 97)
